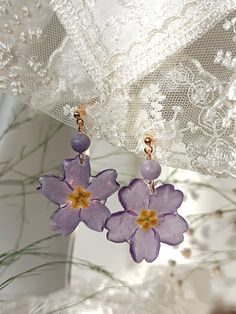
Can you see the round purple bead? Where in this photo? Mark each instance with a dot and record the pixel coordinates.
(80, 142)
(150, 169)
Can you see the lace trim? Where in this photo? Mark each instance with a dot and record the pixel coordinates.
(76, 21)
(122, 69)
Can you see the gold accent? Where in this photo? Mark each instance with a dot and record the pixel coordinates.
(149, 149)
(82, 110)
(147, 219)
(148, 140)
(79, 198)
(78, 115)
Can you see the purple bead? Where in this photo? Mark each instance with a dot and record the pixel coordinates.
(80, 142)
(150, 169)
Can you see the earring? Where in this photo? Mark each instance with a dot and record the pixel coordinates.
(149, 214)
(78, 195)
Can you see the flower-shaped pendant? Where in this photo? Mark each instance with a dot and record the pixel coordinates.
(148, 219)
(79, 196)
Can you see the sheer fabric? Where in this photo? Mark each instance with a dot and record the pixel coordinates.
(162, 68)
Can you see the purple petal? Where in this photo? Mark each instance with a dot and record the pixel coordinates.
(65, 220)
(145, 245)
(76, 173)
(121, 226)
(166, 199)
(171, 229)
(95, 216)
(103, 185)
(135, 196)
(55, 189)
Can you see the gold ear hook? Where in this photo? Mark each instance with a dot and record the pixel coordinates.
(148, 151)
(78, 114)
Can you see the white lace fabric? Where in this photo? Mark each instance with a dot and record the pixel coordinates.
(164, 68)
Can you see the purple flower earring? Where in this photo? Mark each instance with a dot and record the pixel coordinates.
(79, 196)
(150, 214)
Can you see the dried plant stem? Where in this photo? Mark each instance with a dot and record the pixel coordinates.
(194, 218)
(209, 186)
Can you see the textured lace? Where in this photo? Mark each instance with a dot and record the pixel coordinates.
(166, 69)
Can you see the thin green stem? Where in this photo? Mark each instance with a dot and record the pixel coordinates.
(5, 283)
(17, 194)
(94, 294)
(26, 155)
(11, 126)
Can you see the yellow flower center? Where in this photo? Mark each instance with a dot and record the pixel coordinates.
(79, 198)
(147, 219)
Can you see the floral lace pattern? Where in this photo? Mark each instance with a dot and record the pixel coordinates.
(206, 136)
(141, 67)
